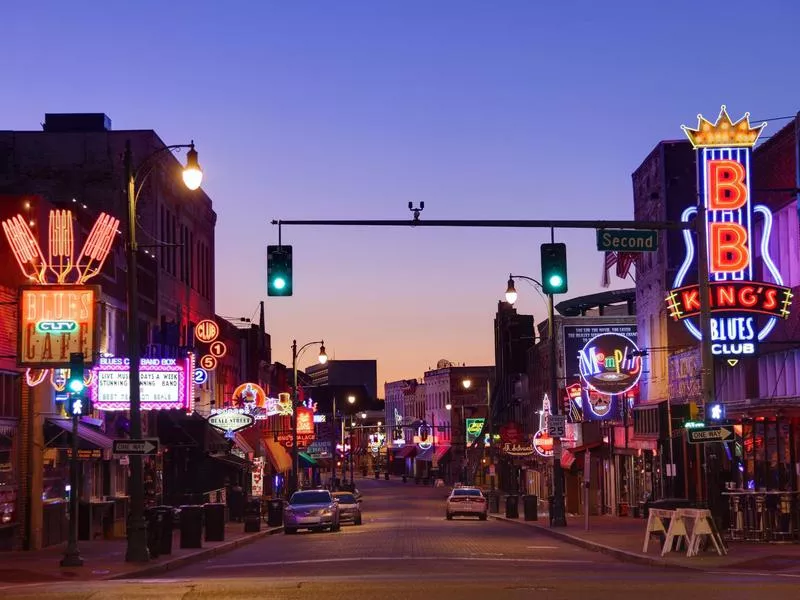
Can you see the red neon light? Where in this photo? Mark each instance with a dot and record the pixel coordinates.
(97, 246)
(744, 296)
(730, 253)
(25, 248)
(60, 244)
(726, 185)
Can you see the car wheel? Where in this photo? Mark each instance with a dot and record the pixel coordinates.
(482, 517)
(449, 517)
(289, 530)
(357, 520)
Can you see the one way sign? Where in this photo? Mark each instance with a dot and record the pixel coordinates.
(702, 435)
(135, 447)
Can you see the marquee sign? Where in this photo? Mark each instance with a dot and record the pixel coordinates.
(743, 311)
(473, 429)
(165, 383)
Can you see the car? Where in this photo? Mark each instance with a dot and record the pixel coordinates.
(349, 507)
(467, 501)
(311, 509)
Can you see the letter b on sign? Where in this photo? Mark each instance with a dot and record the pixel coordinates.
(726, 185)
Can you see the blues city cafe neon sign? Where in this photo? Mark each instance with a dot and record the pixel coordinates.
(743, 311)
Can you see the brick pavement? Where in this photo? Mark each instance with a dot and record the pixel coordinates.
(624, 537)
(105, 559)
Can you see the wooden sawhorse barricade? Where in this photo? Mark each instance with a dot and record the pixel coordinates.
(700, 527)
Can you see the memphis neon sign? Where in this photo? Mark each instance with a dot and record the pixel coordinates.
(743, 311)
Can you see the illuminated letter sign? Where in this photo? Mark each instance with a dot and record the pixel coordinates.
(610, 364)
(165, 383)
(724, 153)
(55, 321)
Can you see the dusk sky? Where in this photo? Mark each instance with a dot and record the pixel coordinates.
(350, 109)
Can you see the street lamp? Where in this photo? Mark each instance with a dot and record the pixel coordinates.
(558, 516)
(351, 399)
(467, 383)
(363, 415)
(322, 358)
(136, 550)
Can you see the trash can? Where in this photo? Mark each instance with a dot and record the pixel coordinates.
(252, 515)
(214, 514)
(153, 518)
(512, 508)
(191, 526)
(494, 502)
(377, 474)
(275, 512)
(386, 476)
(165, 526)
(531, 506)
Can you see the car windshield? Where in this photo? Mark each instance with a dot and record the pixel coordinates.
(466, 492)
(310, 498)
(345, 498)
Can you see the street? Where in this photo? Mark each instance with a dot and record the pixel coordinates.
(406, 549)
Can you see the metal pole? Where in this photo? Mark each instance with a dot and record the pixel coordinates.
(137, 550)
(295, 465)
(72, 556)
(352, 446)
(558, 519)
(335, 453)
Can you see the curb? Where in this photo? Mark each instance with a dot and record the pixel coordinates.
(201, 554)
(621, 555)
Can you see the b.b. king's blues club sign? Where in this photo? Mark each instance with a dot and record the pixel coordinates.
(744, 310)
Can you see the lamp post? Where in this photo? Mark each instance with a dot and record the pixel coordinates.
(323, 358)
(351, 400)
(558, 518)
(136, 550)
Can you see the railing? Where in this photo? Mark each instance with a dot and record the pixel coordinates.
(763, 516)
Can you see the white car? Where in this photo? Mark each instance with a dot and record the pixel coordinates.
(311, 509)
(467, 501)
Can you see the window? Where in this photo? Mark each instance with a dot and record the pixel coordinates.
(9, 395)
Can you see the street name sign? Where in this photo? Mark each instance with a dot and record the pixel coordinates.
(135, 447)
(621, 240)
(557, 426)
(703, 435)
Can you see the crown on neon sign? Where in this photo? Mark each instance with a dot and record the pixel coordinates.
(724, 133)
(60, 262)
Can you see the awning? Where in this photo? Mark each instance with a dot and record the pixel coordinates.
(406, 451)
(281, 460)
(232, 459)
(428, 454)
(243, 444)
(58, 434)
(306, 461)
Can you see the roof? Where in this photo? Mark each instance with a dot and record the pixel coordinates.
(574, 307)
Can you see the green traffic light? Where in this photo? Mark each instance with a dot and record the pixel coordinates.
(76, 386)
(556, 281)
(279, 283)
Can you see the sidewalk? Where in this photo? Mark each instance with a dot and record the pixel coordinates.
(105, 559)
(623, 538)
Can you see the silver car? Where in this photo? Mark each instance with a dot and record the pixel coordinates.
(310, 509)
(349, 507)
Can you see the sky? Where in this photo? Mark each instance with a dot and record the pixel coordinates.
(350, 109)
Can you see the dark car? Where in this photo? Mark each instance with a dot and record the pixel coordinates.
(349, 507)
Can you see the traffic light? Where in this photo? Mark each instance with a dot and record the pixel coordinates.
(554, 268)
(279, 270)
(75, 385)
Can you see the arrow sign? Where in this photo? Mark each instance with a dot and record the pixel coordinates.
(703, 435)
(135, 447)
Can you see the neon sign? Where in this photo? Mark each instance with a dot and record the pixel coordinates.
(610, 364)
(724, 151)
(165, 383)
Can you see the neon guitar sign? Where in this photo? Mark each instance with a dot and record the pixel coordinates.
(743, 311)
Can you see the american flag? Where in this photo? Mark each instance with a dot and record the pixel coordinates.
(610, 261)
(623, 260)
